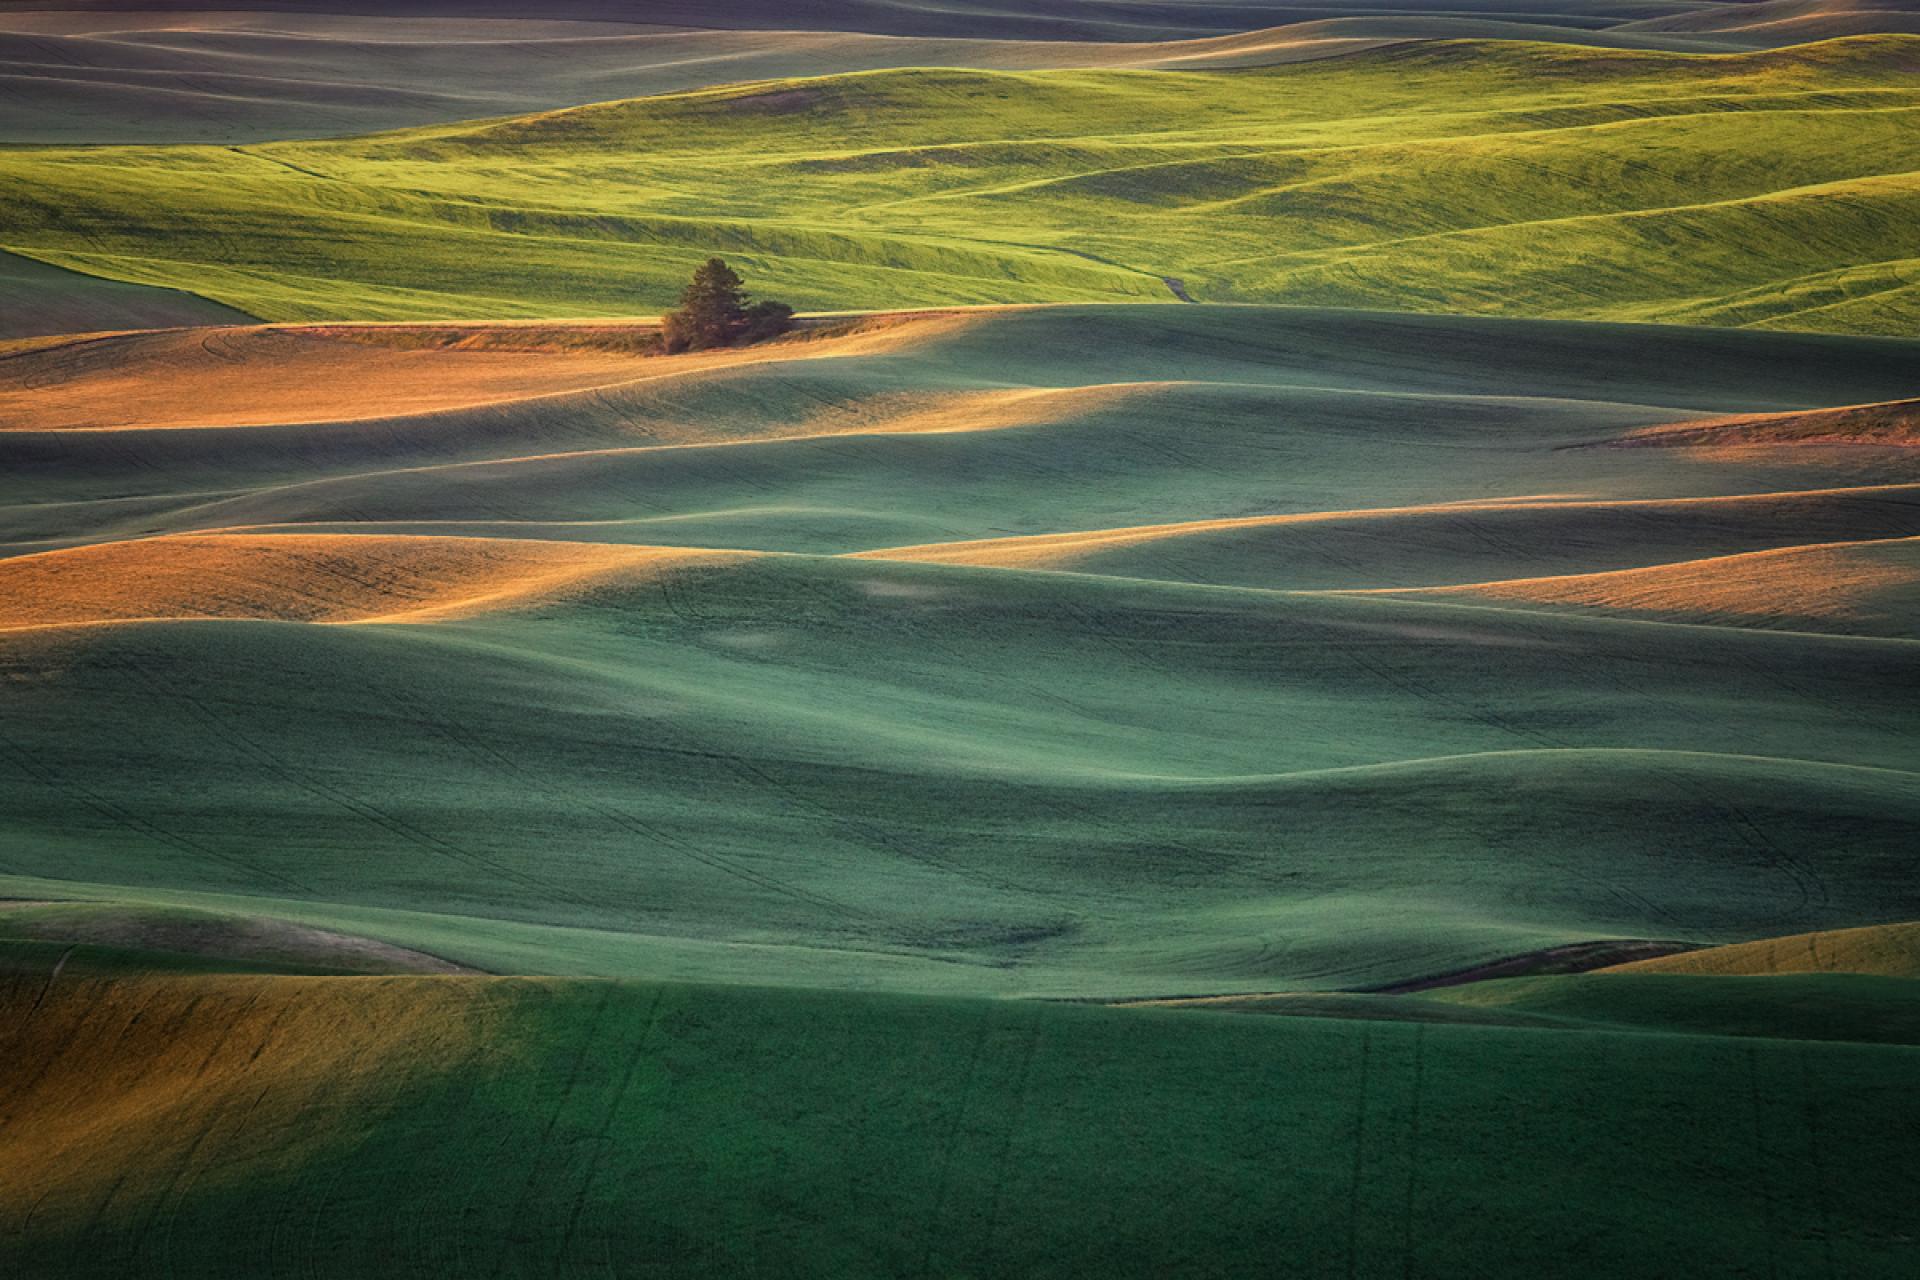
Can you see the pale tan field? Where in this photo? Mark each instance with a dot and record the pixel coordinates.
(1892, 425)
(1865, 588)
(1889, 950)
(271, 375)
(306, 578)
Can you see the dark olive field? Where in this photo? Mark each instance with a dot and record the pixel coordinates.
(1305, 662)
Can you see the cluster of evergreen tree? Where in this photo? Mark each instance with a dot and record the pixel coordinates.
(714, 312)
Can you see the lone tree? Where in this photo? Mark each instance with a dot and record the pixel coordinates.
(714, 312)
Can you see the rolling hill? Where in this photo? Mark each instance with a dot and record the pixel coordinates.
(1760, 190)
(623, 661)
(253, 77)
(78, 73)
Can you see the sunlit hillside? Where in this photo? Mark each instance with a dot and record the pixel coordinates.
(1769, 189)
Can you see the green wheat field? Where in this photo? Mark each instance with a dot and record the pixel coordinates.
(1305, 662)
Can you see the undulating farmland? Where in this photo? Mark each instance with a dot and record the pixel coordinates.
(1303, 665)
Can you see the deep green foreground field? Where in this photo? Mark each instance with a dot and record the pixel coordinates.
(523, 1128)
(1418, 783)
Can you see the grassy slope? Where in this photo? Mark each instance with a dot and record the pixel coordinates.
(43, 959)
(1450, 176)
(699, 1131)
(255, 72)
(1845, 985)
(328, 75)
(1416, 546)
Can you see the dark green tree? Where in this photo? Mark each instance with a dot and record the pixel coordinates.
(713, 312)
(766, 319)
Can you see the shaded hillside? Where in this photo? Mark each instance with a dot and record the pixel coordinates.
(36, 298)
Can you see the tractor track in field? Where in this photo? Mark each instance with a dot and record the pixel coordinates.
(943, 1179)
(121, 816)
(601, 1141)
(538, 1155)
(360, 807)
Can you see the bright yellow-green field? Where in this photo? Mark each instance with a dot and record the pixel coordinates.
(1773, 189)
